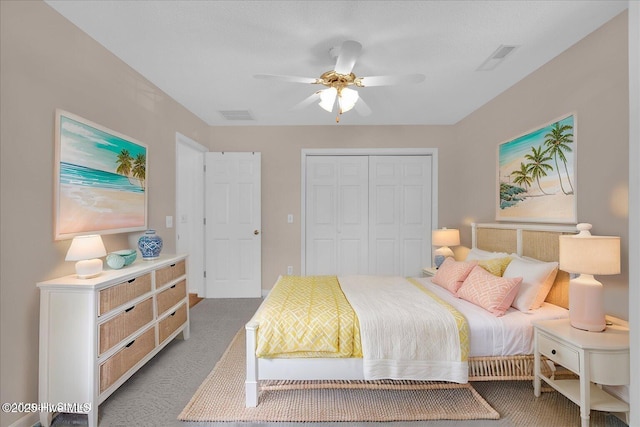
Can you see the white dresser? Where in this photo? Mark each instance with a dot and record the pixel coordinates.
(96, 333)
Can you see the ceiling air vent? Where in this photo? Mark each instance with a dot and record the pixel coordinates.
(497, 57)
(236, 114)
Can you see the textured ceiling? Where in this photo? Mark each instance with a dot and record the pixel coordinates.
(204, 53)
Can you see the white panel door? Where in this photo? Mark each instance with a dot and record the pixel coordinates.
(233, 239)
(336, 206)
(399, 214)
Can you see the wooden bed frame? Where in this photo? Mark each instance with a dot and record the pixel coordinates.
(535, 241)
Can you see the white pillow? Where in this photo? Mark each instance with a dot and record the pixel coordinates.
(478, 254)
(537, 279)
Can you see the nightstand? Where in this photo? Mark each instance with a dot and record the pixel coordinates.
(429, 271)
(598, 358)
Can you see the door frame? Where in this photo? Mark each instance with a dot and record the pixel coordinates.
(196, 263)
(433, 152)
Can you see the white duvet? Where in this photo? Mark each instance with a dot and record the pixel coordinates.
(508, 335)
(405, 333)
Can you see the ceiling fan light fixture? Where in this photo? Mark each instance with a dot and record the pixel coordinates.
(347, 99)
(328, 98)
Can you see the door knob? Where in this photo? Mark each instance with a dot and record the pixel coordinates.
(256, 232)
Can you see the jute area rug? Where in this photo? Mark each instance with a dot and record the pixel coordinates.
(221, 397)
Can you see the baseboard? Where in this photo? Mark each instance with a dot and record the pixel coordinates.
(29, 420)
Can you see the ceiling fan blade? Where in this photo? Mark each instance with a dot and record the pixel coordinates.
(391, 80)
(349, 52)
(307, 101)
(362, 108)
(291, 79)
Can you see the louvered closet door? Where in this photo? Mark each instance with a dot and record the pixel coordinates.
(336, 224)
(400, 220)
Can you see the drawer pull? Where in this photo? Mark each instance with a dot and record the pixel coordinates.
(129, 309)
(173, 286)
(132, 280)
(173, 314)
(130, 344)
(553, 351)
(172, 265)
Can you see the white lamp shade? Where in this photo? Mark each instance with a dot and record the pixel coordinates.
(86, 247)
(328, 98)
(347, 99)
(86, 250)
(445, 237)
(590, 254)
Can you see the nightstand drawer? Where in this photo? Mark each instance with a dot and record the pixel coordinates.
(559, 353)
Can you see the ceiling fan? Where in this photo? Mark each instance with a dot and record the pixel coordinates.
(340, 78)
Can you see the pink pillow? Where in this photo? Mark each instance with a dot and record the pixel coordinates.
(452, 273)
(490, 292)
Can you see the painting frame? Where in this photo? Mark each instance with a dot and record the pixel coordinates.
(543, 187)
(100, 179)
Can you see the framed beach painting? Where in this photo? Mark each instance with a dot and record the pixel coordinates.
(537, 175)
(100, 179)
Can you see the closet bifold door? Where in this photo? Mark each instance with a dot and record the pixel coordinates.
(400, 220)
(368, 214)
(336, 225)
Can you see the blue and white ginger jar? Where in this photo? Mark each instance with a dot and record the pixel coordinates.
(150, 245)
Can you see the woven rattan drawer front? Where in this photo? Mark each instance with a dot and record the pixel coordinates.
(117, 295)
(171, 272)
(172, 322)
(124, 324)
(125, 359)
(171, 296)
(559, 353)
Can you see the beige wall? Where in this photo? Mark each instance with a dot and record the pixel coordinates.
(281, 153)
(48, 63)
(591, 80)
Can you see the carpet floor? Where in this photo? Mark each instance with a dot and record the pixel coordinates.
(158, 392)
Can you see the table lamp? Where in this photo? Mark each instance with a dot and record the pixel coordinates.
(444, 237)
(587, 255)
(87, 250)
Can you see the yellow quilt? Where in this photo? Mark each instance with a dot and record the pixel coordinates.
(307, 317)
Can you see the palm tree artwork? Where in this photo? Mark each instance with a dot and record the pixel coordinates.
(557, 142)
(522, 176)
(132, 168)
(539, 168)
(538, 165)
(100, 181)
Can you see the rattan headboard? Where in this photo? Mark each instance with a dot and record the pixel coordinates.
(530, 240)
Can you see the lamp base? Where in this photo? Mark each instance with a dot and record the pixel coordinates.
(88, 268)
(440, 254)
(586, 308)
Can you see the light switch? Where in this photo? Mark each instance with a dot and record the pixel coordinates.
(290, 218)
(169, 221)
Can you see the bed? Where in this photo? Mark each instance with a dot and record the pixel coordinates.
(499, 347)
